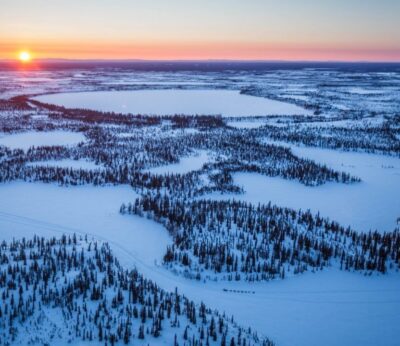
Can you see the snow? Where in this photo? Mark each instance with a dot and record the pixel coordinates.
(25, 140)
(362, 91)
(247, 124)
(324, 308)
(67, 163)
(48, 210)
(170, 102)
(327, 308)
(371, 204)
(360, 310)
(185, 165)
(143, 83)
(297, 97)
(39, 117)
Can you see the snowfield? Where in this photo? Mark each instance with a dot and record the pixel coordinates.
(170, 102)
(250, 124)
(372, 204)
(25, 140)
(284, 138)
(49, 210)
(185, 164)
(364, 310)
(67, 163)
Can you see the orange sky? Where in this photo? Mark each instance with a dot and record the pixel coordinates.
(223, 29)
(222, 50)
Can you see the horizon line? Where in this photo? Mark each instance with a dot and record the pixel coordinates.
(60, 60)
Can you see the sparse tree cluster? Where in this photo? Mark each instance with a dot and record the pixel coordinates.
(81, 290)
(236, 240)
(383, 138)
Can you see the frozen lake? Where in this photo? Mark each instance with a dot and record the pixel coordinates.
(247, 124)
(361, 310)
(372, 204)
(67, 163)
(169, 102)
(185, 165)
(49, 210)
(25, 140)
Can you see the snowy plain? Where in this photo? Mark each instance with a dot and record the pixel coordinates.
(185, 164)
(249, 124)
(50, 210)
(172, 101)
(25, 140)
(373, 204)
(67, 163)
(324, 308)
(362, 310)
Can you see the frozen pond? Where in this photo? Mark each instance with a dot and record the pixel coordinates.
(67, 163)
(185, 165)
(362, 311)
(249, 124)
(25, 140)
(362, 91)
(372, 204)
(49, 210)
(169, 102)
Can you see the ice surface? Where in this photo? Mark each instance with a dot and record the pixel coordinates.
(170, 102)
(28, 139)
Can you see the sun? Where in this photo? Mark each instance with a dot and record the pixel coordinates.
(24, 56)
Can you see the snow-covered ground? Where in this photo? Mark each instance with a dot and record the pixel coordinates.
(360, 310)
(362, 91)
(247, 124)
(48, 209)
(170, 102)
(67, 163)
(329, 307)
(185, 164)
(372, 204)
(25, 140)
(297, 97)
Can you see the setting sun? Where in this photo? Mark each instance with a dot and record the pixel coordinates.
(24, 56)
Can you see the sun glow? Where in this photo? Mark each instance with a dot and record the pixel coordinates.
(24, 56)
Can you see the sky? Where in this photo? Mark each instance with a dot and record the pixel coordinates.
(349, 30)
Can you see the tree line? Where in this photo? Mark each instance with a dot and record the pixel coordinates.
(81, 282)
(240, 241)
